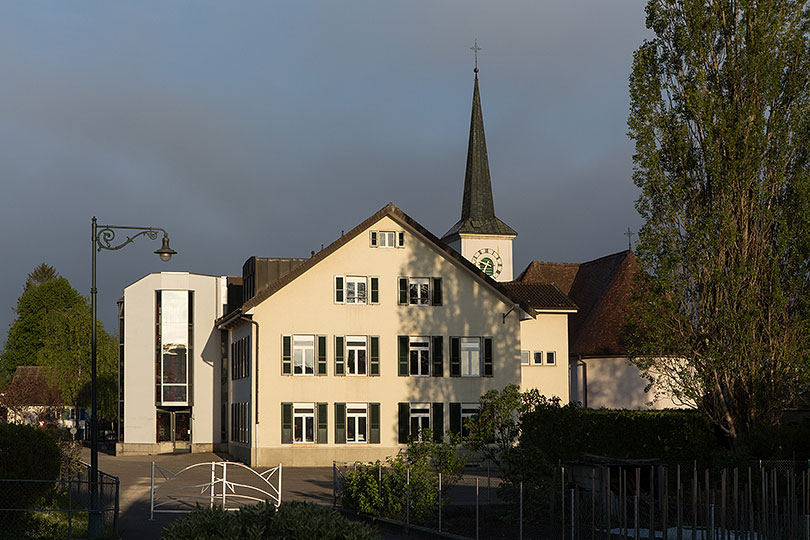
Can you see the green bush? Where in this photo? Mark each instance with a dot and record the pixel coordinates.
(26, 453)
(292, 521)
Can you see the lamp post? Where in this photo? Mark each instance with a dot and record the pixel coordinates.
(103, 237)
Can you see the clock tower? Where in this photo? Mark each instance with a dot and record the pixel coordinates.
(479, 236)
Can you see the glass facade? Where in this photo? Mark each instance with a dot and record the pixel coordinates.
(173, 343)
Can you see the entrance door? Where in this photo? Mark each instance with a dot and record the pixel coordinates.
(174, 426)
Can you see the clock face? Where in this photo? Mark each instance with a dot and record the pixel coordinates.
(488, 261)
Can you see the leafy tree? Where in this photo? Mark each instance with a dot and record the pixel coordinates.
(67, 351)
(26, 336)
(41, 274)
(720, 115)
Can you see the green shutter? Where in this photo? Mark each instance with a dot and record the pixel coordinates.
(438, 422)
(374, 423)
(286, 423)
(488, 357)
(339, 355)
(403, 290)
(338, 289)
(375, 290)
(455, 357)
(437, 291)
(322, 423)
(286, 355)
(374, 364)
(321, 355)
(455, 418)
(437, 352)
(373, 238)
(340, 423)
(404, 345)
(404, 428)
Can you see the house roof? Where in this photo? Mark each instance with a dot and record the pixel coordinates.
(601, 290)
(33, 385)
(540, 296)
(478, 208)
(389, 210)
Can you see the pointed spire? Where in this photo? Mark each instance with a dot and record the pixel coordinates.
(478, 208)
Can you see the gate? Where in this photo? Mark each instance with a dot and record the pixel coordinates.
(228, 484)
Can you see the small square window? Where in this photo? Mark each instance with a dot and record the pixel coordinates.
(525, 356)
(538, 358)
(551, 358)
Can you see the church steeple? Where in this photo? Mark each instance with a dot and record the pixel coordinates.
(478, 208)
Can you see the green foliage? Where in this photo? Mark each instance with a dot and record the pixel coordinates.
(41, 274)
(26, 453)
(292, 521)
(382, 489)
(720, 115)
(26, 336)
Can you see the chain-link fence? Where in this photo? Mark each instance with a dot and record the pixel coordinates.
(57, 509)
(766, 501)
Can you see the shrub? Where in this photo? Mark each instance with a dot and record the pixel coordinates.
(26, 453)
(292, 521)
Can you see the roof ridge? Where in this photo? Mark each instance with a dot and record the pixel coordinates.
(624, 252)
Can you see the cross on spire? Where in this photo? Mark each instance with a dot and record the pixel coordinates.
(629, 235)
(475, 48)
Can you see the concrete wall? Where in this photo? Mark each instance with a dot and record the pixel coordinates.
(306, 306)
(613, 383)
(548, 332)
(139, 358)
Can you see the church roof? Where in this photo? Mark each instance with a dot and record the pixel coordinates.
(601, 290)
(478, 208)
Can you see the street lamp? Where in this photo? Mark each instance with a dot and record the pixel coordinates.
(103, 237)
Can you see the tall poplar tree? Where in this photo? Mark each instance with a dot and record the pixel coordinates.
(720, 115)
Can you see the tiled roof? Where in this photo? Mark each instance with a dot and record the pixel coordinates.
(601, 290)
(33, 385)
(540, 296)
(398, 215)
(478, 208)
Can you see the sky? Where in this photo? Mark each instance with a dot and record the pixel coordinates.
(266, 128)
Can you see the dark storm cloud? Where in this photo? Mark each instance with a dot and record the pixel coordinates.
(264, 129)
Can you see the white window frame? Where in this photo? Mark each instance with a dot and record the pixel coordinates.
(420, 412)
(387, 239)
(356, 298)
(353, 346)
(553, 356)
(305, 412)
(537, 355)
(468, 410)
(466, 363)
(421, 285)
(525, 358)
(421, 346)
(295, 348)
(356, 414)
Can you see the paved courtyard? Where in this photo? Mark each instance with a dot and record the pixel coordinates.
(134, 472)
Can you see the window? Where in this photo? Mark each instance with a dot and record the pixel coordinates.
(551, 358)
(420, 291)
(355, 290)
(468, 410)
(356, 355)
(239, 422)
(303, 355)
(240, 358)
(470, 357)
(419, 356)
(538, 358)
(356, 423)
(174, 336)
(419, 420)
(525, 357)
(387, 239)
(304, 422)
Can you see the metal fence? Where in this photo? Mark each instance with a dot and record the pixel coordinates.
(766, 501)
(58, 509)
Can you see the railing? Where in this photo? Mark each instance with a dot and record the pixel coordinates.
(227, 484)
(24, 503)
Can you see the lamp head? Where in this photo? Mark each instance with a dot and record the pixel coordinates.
(165, 252)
